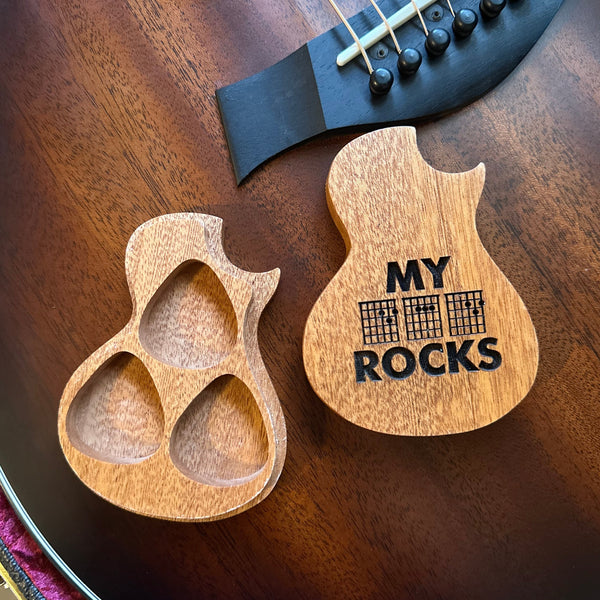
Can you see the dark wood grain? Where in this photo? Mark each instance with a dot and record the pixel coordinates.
(108, 118)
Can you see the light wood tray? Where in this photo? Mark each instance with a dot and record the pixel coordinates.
(176, 417)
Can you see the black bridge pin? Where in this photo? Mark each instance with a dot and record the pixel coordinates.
(409, 59)
(490, 9)
(381, 79)
(465, 20)
(437, 40)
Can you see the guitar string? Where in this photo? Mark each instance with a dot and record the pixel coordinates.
(387, 25)
(353, 34)
(450, 7)
(396, 20)
(420, 17)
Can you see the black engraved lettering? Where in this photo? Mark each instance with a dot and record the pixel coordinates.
(394, 274)
(366, 369)
(456, 357)
(489, 353)
(386, 363)
(424, 360)
(436, 270)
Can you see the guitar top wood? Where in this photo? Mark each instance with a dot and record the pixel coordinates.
(110, 119)
(175, 417)
(419, 332)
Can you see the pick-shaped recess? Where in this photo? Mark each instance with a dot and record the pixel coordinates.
(190, 321)
(220, 439)
(117, 415)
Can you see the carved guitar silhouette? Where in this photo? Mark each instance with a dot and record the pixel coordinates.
(175, 416)
(419, 332)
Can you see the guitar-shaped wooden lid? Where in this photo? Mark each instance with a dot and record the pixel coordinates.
(175, 416)
(419, 332)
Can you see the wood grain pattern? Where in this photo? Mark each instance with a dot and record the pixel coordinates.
(419, 332)
(175, 416)
(108, 119)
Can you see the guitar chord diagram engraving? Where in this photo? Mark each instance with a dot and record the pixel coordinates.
(422, 317)
(379, 321)
(466, 314)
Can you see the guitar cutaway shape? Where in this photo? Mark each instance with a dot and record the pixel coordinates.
(175, 417)
(419, 333)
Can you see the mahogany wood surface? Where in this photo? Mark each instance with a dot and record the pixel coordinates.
(175, 416)
(108, 118)
(387, 347)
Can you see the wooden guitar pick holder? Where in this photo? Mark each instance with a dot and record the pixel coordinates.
(176, 417)
(419, 332)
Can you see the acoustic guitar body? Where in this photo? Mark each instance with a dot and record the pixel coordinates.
(419, 332)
